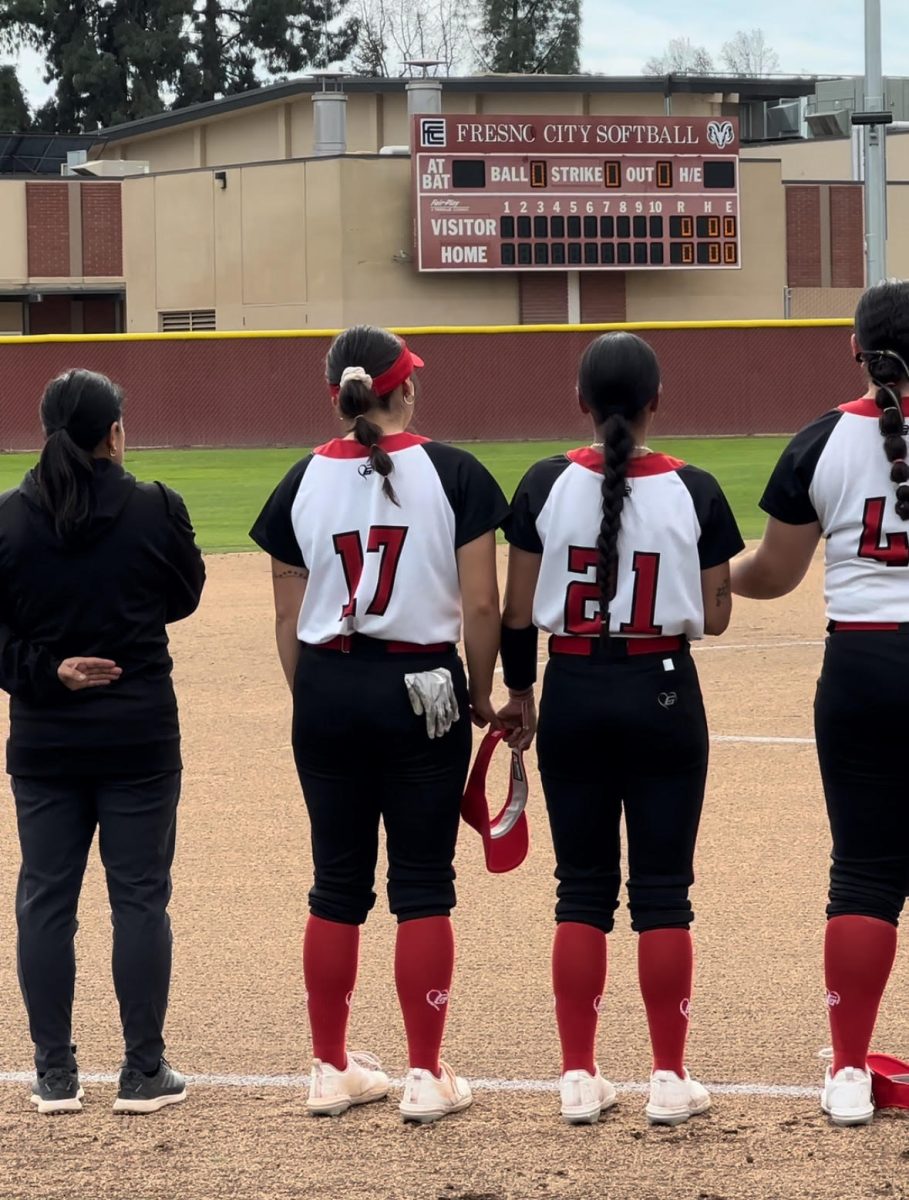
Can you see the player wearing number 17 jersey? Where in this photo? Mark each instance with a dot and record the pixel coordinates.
(622, 556)
(846, 478)
(380, 542)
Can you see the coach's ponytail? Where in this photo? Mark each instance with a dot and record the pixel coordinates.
(357, 357)
(618, 378)
(882, 333)
(77, 412)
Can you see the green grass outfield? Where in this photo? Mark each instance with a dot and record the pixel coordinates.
(224, 489)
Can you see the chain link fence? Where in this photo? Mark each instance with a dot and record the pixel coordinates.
(496, 385)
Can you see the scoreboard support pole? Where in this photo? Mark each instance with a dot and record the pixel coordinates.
(574, 297)
(875, 150)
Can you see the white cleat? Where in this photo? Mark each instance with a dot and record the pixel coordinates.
(846, 1098)
(429, 1099)
(585, 1097)
(673, 1100)
(332, 1092)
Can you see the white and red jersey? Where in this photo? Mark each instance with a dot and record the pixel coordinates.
(676, 522)
(835, 472)
(375, 568)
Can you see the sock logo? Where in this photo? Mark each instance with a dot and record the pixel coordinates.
(348, 999)
(685, 1009)
(598, 1005)
(437, 999)
(833, 999)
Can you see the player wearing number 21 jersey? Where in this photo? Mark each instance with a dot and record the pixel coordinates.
(846, 478)
(381, 542)
(622, 556)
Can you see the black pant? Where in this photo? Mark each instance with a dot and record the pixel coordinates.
(136, 819)
(861, 741)
(617, 733)
(363, 755)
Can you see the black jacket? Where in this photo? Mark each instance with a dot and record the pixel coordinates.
(109, 593)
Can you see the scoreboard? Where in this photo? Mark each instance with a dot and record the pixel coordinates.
(524, 193)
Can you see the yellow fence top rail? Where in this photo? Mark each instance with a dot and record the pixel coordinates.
(417, 331)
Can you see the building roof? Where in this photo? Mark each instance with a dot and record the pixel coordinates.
(766, 88)
(39, 153)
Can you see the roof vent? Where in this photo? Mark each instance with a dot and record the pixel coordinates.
(329, 115)
(424, 95)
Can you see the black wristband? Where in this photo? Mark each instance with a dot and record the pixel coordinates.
(519, 657)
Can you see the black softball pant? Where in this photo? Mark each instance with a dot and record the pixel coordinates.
(614, 733)
(136, 820)
(861, 750)
(363, 756)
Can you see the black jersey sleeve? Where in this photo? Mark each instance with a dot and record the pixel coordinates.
(529, 498)
(720, 538)
(787, 494)
(186, 568)
(477, 501)
(273, 530)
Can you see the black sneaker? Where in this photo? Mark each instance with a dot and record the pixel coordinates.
(57, 1091)
(140, 1093)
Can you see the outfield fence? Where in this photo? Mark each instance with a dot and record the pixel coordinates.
(480, 384)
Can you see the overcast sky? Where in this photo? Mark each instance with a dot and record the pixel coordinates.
(816, 37)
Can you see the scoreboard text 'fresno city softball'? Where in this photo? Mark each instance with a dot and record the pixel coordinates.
(537, 194)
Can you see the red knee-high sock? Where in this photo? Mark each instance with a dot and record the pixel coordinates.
(330, 953)
(424, 965)
(665, 970)
(858, 958)
(578, 982)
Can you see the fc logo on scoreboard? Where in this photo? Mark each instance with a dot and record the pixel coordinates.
(720, 134)
(432, 134)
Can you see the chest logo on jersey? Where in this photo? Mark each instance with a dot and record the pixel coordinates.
(365, 471)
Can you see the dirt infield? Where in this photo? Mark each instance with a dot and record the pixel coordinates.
(237, 1017)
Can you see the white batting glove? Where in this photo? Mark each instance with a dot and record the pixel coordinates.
(432, 695)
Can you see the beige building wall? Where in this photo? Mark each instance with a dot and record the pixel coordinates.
(829, 159)
(10, 317)
(13, 233)
(753, 292)
(294, 245)
(283, 129)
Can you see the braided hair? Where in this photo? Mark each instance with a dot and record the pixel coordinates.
(618, 378)
(882, 333)
(375, 351)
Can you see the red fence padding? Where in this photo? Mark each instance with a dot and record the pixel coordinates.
(475, 386)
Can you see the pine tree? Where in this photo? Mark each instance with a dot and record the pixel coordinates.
(242, 44)
(532, 36)
(111, 61)
(14, 114)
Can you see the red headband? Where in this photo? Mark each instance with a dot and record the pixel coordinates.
(402, 368)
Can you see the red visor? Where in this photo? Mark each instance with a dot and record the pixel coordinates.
(506, 839)
(402, 368)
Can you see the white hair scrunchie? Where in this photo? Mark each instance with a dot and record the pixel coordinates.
(356, 373)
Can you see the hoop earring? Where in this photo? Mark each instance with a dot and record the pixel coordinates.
(410, 402)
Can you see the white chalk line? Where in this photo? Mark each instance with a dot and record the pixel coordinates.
(735, 739)
(531, 1086)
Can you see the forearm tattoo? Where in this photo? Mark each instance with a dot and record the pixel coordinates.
(291, 573)
(722, 594)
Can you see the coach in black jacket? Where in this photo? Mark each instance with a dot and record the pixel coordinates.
(93, 566)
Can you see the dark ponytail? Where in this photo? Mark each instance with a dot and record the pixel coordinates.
(882, 332)
(619, 377)
(375, 351)
(77, 411)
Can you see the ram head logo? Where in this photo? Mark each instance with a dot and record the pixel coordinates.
(720, 134)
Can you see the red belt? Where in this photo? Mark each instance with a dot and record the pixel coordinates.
(346, 644)
(868, 627)
(587, 647)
